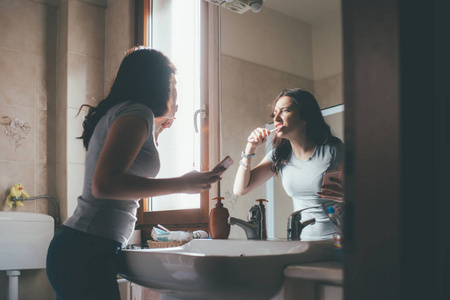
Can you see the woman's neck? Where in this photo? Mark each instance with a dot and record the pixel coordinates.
(303, 148)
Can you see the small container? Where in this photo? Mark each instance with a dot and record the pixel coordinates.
(338, 243)
(218, 221)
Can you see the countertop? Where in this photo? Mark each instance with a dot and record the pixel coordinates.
(329, 271)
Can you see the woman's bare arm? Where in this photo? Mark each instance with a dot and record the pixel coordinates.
(247, 180)
(124, 141)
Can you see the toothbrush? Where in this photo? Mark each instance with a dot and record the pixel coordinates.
(277, 128)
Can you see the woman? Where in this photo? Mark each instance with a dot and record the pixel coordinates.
(303, 148)
(121, 163)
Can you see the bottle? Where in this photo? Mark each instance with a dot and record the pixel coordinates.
(338, 239)
(263, 218)
(334, 217)
(218, 221)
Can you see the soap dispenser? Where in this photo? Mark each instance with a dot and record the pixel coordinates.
(218, 219)
(262, 207)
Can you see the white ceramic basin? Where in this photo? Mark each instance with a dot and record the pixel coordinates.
(220, 269)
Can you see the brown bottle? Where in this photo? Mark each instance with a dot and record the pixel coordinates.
(218, 221)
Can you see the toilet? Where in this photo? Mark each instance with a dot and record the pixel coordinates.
(24, 241)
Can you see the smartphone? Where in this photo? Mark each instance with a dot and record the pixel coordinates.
(226, 163)
(327, 175)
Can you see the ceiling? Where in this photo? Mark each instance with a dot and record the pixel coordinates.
(310, 11)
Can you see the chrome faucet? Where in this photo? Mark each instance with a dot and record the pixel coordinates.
(295, 226)
(255, 228)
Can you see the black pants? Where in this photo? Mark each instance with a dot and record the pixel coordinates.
(83, 266)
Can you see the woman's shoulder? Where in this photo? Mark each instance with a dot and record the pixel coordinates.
(334, 142)
(336, 148)
(131, 108)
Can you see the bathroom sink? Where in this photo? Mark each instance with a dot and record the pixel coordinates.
(220, 269)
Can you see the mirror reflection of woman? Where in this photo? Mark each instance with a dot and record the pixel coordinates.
(303, 149)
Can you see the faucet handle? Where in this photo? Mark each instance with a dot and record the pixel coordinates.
(308, 222)
(261, 201)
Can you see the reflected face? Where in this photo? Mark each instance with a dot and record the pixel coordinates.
(287, 114)
(167, 120)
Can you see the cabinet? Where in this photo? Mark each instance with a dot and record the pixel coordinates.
(314, 281)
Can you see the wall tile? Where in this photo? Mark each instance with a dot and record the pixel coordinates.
(42, 205)
(41, 179)
(43, 182)
(119, 30)
(46, 30)
(27, 285)
(112, 64)
(329, 91)
(45, 83)
(17, 78)
(51, 137)
(41, 136)
(19, 146)
(44, 289)
(99, 3)
(86, 24)
(61, 137)
(75, 150)
(61, 82)
(62, 32)
(76, 80)
(18, 21)
(61, 189)
(75, 178)
(85, 80)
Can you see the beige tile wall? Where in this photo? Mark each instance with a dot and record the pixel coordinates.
(51, 62)
(119, 36)
(28, 92)
(81, 58)
(329, 91)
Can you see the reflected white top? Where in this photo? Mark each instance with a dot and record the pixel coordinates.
(302, 179)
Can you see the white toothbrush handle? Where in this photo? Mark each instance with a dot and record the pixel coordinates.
(252, 139)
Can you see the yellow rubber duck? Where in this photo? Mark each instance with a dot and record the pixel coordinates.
(16, 191)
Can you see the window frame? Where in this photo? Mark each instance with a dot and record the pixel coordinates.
(183, 219)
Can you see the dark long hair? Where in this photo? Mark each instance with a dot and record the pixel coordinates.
(145, 77)
(317, 130)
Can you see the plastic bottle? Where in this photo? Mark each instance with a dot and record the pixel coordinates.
(218, 221)
(334, 217)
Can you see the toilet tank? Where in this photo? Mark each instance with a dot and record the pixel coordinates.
(24, 240)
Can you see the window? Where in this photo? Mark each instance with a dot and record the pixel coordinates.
(176, 27)
(175, 30)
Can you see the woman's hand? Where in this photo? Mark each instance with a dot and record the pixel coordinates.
(196, 182)
(258, 136)
(161, 123)
(334, 191)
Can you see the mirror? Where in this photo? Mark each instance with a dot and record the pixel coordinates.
(289, 43)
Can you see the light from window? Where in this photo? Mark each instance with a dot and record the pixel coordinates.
(175, 30)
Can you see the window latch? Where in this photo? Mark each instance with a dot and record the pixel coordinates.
(202, 113)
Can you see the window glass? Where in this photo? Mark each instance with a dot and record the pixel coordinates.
(175, 30)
